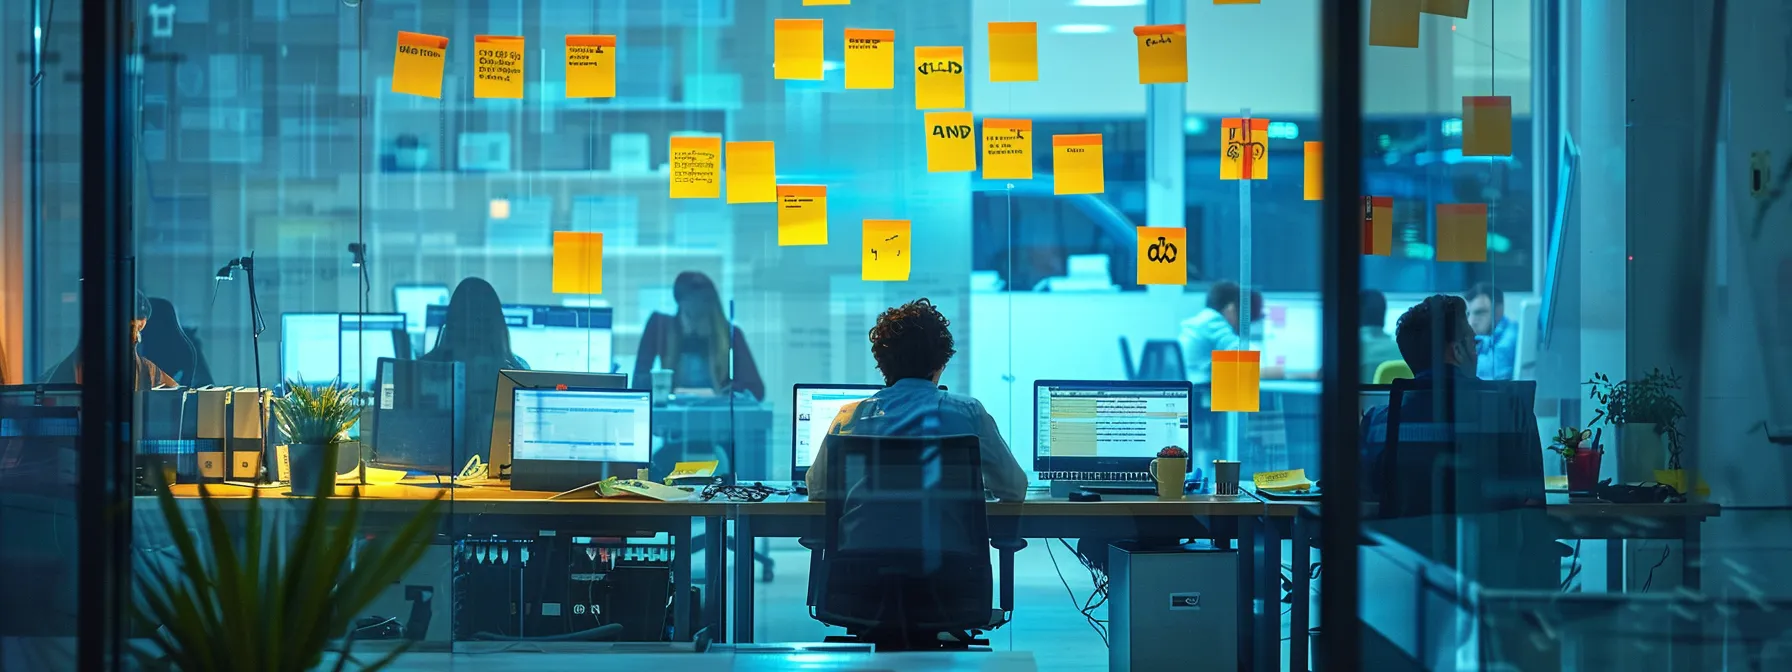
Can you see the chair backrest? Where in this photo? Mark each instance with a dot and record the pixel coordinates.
(165, 343)
(1392, 370)
(1132, 371)
(1161, 359)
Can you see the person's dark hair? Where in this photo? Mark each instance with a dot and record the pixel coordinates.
(699, 301)
(474, 327)
(1223, 293)
(912, 340)
(1426, 328)
(1493, 294)
(1374, 310)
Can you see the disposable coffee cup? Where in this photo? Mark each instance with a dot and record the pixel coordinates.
(1225, 477)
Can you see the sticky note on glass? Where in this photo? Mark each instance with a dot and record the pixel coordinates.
(1076, 164)
(1394, 23)
(796, 48)
(1462, 232)
(939, 78)
(1163, 54)
(951, 147)
(886, 246)
(1007, 149)
(417, 64)
(1315, 171)
(1486, 125)
(1013, 51)
(1244, 149)
(590, 66)
(826, 2)
(1378, 225)
(578, 262)
(752, 172)
(1456, 8)
(696, 167)
(1161, 255)
(497, 66)
(802, 214)
(870, 58)
(1236, 379)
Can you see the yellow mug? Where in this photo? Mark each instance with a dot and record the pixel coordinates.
(1169, 486)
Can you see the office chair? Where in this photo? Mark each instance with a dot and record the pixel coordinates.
(1132, 371)
(164, 342)
(1161, 359)
(1392, 370)
(902, 561)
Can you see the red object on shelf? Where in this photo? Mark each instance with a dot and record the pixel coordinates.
(1583, 469)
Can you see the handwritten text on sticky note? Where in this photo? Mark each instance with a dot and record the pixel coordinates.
(498, 66)
(886, 250)
(939, 78)
(696, 167)
(870, 58)
(417, 64)
(1244, 149)
(1077, 164)
(1161, 255)
(1007, 149)
(802, 214)
(578, 262)
(590, 66)
(951, 146)
(1163, 54)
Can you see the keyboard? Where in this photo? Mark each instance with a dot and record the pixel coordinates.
(1121, 489)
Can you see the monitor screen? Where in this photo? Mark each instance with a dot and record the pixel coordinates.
(581, 425)
(547, 338)
(1103, 425)
(414, 302)
(364, 340)
(316, 348)
(815, 409)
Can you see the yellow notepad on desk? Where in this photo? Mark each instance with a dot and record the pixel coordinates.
(1294, 480)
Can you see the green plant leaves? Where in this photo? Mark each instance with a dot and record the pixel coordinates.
(316, 415)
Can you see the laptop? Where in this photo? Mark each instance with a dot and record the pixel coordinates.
(812, 413)
(511, 379)
(565, 438)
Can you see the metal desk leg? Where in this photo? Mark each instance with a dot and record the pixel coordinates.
(1303, 593)
(741, 575)
(1614, 566)
(681, 582)
(1269, 621)
(1246, 534)
(715, 588)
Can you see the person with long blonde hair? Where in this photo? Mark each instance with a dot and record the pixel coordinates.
(697, 344)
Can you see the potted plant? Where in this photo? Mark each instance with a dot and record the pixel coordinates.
(1580, 459)
(1647, 416)
(1170, 460)
(315, 420)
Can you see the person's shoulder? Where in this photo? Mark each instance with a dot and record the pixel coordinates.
(970, 404)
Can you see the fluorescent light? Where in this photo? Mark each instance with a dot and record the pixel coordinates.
(1082, 28)
(830, 66)
(1108, 3)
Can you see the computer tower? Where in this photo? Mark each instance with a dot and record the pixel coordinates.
(1172, 608)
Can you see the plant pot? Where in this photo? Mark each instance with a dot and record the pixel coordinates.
(313, 468)
(1640, 452)
(1582, 470)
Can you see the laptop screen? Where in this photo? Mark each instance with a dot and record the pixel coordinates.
(815, 410)
(582, 425)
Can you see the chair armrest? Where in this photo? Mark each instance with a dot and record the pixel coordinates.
(811, 543)
(817, 571)
(1008, 545)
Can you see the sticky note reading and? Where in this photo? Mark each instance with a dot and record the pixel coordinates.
(752, 172)
(1486, 125)
(498, 66)
(1378, 225)
(1163, 54)
(1244, 149)
(1236, 379)
(870, 58)
(1161, 258)
(1007, 149)
(590, 66)
(939, 78)
(1013, 51)
(1076, 164)
(802, 214)
(887, 246)
(1315, 171)
(1462, 232)
(796, 48)
(951, 148)
(696, 167)
(578, 262)
(1456, 8)
(417, 64)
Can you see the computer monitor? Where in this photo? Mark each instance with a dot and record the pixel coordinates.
(316, 348)
(812, 413)
(414, 300)
(562, 439)
(1108, 426)
(548, 338)
(419, 418)
(509, 380)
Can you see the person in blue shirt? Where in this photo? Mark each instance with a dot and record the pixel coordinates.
(1496, 336)
(1216, 328)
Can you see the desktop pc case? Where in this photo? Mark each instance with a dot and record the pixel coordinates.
(1172, 608)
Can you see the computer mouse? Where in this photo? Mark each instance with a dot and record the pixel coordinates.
(802, 489)
(1084, 496)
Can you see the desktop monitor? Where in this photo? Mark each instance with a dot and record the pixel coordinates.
(509, 380)
(812, 414)
(562, 439)
(547, 338)
(420, 416)
(1108, 426)
(317, 348)
(414, 300)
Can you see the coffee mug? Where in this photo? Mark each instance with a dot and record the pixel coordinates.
(1169, 485)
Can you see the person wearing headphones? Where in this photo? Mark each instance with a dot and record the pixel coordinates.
(148, 374)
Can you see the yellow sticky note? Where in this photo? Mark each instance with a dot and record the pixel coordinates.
(1161, 255)
(1289, 480)
(802, 214)
(1236, 379)
(1378, 225)
(1013, 51)
(578, 262)
(951, 148)
(796, 48)
(870, 58)
(1456, 8)
(752, 172)
(1676, 479)
(1394, 23)
(1486, 125)
(1462, 232)
(417, 64)
(498, 66)
(1163, 54)
(939, 78)
(1315, 171)
(696, 167)
(826, 2)
(887, 246)
(1007, 149)
(590, 66)
(1076, 164)
(1244, 152)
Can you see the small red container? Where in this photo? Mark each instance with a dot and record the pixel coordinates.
(1582, 469)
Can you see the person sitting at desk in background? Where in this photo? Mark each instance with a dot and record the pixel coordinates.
(691, 345)
(1496, 336)
(1378, 346)
(1216, 328)
(912, 344)
(475, 334)
(174, 346)
(149, 376)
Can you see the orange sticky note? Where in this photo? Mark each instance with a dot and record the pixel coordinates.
(1013, 51)
(1244, 153)
(696, 167)
(1007, 149)
(886, 250)
(939, 78)
(826, 2)
(1394, 23)
(1315, 171)
(498, 66)
(417, 64)
(802, 214)
(590, 66)
(1237, 378)
(1462, 232)
(796, 48)
(1456, 8)
(1486, 125)
(951, 148)
(870, 58)
(752, 172)
(1378, 225)
(578, 262)
(1161, 255)
(1163, 54)
(1076, 164)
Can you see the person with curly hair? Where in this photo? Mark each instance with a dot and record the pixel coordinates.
(912, 344)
